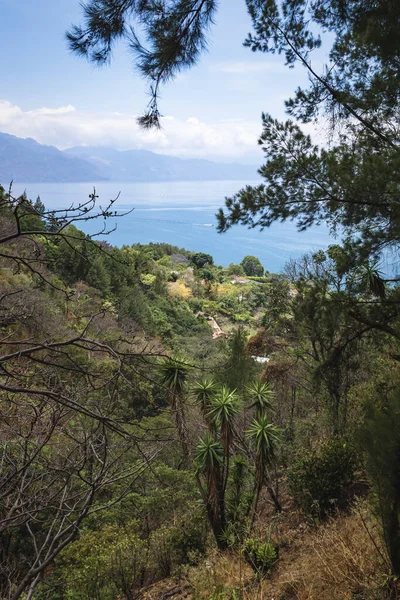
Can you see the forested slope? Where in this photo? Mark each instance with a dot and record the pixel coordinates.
(139, 444)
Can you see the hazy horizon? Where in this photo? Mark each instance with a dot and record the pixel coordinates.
(84, 105)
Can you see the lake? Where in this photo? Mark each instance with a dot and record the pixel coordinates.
(183, 214)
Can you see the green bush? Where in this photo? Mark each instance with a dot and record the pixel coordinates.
(320, 481)
(178, 545)
(243, 317)
(196, 304)
(104, 564)
(261, 556)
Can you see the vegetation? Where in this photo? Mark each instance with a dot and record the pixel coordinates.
(133, 440)
(321, 481)
(137, 441)
(252, 266)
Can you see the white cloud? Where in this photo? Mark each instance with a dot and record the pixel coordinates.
(67, 126)
(63, 110)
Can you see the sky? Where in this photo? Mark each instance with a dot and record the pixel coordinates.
(211, 111)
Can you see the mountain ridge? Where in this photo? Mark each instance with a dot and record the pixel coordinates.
(144, 165)
(25, 160)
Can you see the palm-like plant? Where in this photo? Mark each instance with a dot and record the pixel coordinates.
(266, 438)
(372, 279)
(209, 455)
(204, 390)
(261, 396)
(173, 373)
(209, 462)
(225, 405)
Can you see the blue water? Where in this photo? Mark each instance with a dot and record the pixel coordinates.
(183, 214)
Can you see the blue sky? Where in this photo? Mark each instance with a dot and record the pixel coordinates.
(212, 110)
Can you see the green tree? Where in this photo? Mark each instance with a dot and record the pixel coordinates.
(200, 259)
(329, 341)
(39, 206)
(278, 301)
(31, 214)
(354, 183)
(176, 33)
(265, 437)
(240, 368)
(252, 266)
(97, 275)
(133, 305)
(207, 275)
(380, 439)
(235, 270)
(321, 479)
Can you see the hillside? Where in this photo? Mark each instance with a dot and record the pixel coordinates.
(142, 165)
(25, 160)
(173, 428)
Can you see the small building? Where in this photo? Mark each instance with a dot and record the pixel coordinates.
(240, 280)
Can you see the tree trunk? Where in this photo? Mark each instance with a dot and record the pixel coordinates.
(180, 422)
(33, 586)
(217, 522)
(257, 493)
(274, 497)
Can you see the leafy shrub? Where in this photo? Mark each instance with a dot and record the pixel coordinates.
(179, 290)
(243, 317)
(196, 304)
(178, 545)
(105, 563)
(165, 261)
(261, 556)
(320, 481)
(147, 279)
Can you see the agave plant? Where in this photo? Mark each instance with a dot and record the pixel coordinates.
(261, 396)
(209, 461)
(225, 405)
(372, 279)
(204, 390)
(173, 373)
(209, 455)
(266, 438)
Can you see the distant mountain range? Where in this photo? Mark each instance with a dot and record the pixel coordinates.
(25, 160)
